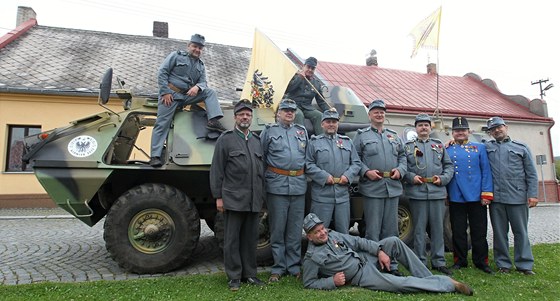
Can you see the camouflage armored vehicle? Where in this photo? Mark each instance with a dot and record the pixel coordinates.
(96, 167)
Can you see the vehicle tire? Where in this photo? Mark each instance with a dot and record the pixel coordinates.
(152, 228)
(264, 248)
(406, 231)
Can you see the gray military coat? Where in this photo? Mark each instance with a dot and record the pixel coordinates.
(426, 159)
(381, 151)
(331, 155)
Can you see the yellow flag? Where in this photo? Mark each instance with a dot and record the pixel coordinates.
(269, 73)
(426, 33)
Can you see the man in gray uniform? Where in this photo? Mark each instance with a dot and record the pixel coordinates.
(334, 259)
(383, 165)
(284, 146)
(182, 81)
(237, 183)
(515, 191)
(331, 163)
(302, 89)
(429, 170)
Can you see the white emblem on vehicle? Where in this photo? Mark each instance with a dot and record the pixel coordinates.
(82, 146)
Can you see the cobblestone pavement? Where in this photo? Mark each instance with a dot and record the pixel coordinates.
(49, 245)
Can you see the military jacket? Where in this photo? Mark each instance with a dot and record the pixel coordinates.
(284, 148)
(341, 253)
(237, 171)
(381, 151)
(427, 159)
(331, 155)
(300, 91)
(513, 171)
(183, 71)
(472, 178)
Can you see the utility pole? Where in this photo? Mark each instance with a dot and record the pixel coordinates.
(541, 82)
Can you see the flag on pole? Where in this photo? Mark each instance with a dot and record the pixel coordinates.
(426, 33)
(269, 73)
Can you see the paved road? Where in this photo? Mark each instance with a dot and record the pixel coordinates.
(49, 245)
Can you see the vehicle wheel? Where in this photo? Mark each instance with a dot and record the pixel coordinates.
(152, 228)
(264, 248)
(406, 231)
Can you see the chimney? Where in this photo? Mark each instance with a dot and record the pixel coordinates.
(432, 68)
(372, 59)
(24, 13)
(161, 29)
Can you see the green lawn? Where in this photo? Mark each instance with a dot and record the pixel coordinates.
(514, 286)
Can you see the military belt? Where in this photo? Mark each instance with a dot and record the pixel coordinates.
(427, 180)
(384, 174)
(174, 88)
(289, 173)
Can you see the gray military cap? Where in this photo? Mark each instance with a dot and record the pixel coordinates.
(287, 103)
(310, 221)
(198, 39)
(330, 114)
(241, 105)
(422, 117)
(311, 62)
(495, 122)
(378, 103)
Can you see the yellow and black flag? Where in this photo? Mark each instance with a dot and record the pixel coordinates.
(269, 73)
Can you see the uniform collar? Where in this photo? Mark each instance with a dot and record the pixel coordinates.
(463, 143)
(506, 139)
(241, 134)
(377, 131)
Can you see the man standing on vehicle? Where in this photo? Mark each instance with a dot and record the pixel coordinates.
(182, 81)
(302, 89)
(429, 170)
(331, 163)
(383, 166)
(515, 191)
(237, 183)
(284, 146)
(470, 192)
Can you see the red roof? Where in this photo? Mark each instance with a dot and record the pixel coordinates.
(413, 92)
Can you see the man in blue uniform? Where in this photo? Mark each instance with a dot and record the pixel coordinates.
(237, 183)
(383, 165)
(302, 89)
(334, 259)
(182, 81)
(515, 191)
(331, 163)
(429, 170)
(470, 191)
(284, 146)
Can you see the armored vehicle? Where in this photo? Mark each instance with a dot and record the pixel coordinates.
(97, 167)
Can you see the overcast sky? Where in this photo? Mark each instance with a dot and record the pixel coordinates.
(511, 42)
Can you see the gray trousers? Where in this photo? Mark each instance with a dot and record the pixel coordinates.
(341, 212)
(165, 115)
(381, 217)
(313, 115)
(428, 213)
(501, 217)
(285, 217)
(240, 243)
(370, 276)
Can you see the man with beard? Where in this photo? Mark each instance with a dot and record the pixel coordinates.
(237, 183)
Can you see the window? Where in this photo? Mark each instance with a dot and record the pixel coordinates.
(15, 147)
